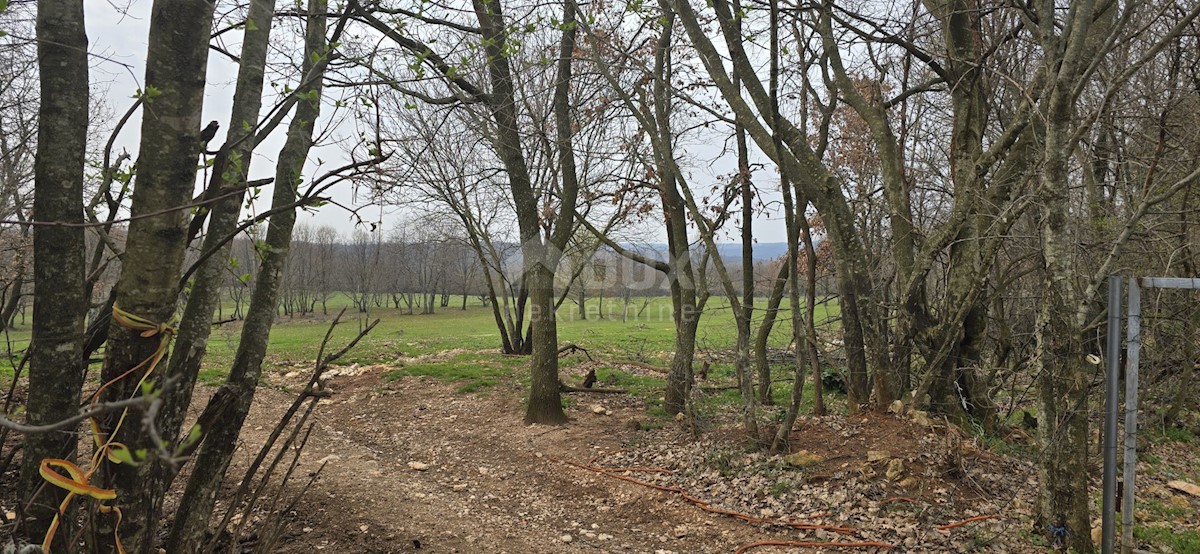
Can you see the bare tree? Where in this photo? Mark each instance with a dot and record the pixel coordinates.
(232, 402)
(55, 375)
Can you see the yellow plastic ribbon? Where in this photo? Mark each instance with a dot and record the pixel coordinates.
(76, 482)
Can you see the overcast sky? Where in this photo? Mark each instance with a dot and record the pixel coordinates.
(117, 32)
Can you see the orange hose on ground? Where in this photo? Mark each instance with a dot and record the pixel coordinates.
(964, 522)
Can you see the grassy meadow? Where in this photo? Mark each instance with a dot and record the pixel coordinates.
(463, 346)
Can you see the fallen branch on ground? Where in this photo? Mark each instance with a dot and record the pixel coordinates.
(568, 388)
(571, 348)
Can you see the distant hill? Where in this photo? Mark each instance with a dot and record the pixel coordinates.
(732, 251)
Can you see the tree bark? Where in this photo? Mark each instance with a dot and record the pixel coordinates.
(149, 284)
(220, 440)
(1058, 360)
(762, 337)
(12, 298)
(680, 272)
(59, 304)
(230, 169)
(793, 214)
(545, 403)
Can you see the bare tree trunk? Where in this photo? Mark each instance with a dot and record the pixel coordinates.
(545, 405)
(545, 346)
(810, 309)
(12, 299)
(55, 374)
(1058, 363)
(149, 284)
(188, 531)
(230, 169)
(793, 213)
(859, 307)
(683, 283)
(762, 337)
(679, 268)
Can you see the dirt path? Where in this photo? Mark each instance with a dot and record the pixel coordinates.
(415, 466)
(492, 484)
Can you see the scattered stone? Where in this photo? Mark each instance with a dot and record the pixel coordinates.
(679, 416)
(566, 538)
(604, 537)
(897, 407)
(680, 531)
(364, 527)
(802, 459)
(1185, 487)
(877, 455)
(920, 418)
(895, 468)
(418, 466)
(910, 483)
(597, 409)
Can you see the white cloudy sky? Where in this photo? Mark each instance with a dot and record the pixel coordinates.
(117, 31)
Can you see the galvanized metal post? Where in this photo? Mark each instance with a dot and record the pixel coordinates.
(1113, 398)
(1134, 344)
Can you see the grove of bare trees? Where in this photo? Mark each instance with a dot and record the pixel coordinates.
(962, 175)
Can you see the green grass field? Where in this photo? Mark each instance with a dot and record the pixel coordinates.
(471, 335)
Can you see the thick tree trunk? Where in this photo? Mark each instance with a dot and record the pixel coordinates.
(188, 531)
(59, 304)
(149, 284)
(1058, 361)
(545, 405)
(230, 169)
